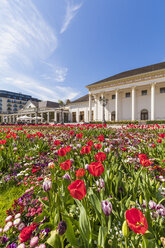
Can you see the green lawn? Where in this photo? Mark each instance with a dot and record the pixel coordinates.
(6, 199)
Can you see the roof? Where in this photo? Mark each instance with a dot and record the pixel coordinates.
(133, 72)
(34, 103)
(48, 104)
(82, 99)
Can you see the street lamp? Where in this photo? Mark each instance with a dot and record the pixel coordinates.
(104, 102)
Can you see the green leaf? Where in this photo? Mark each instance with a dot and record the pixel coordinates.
(163, 199)
(128, 201)
(96, 203)
(54, 239)
(70, 234)
(103, 231)
(84, 223)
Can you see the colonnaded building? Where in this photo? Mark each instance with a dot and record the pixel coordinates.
(137, 94)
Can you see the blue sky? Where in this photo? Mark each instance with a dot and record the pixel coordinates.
(52, 49)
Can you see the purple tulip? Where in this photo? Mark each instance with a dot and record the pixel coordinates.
(47, 185)
(106, 207)
(62, 227)
(66, 176)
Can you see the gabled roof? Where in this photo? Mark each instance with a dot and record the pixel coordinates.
(31, 102)
(133, 72)
(82, 99)
(48, 104)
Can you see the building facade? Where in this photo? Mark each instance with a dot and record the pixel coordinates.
(137, 94)
(11, 102)
(38, 112)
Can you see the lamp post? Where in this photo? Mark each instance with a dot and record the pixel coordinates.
(104, 102)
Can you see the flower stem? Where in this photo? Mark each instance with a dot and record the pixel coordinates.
(126, 245)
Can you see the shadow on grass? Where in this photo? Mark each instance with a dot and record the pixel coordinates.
(7, 196)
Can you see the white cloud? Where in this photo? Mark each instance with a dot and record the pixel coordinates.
(26, 43)
(71, 11)
(25, 37)
(55, 72)
(36, 89)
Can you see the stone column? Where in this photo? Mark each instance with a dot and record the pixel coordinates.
(55, 116)
(86, 114)
(77, 115)
(48, 117)
(90, 107)
(42, 116)
(133, 104)
(152, 101)
(96, 108)
(116, 105)
(102, 108)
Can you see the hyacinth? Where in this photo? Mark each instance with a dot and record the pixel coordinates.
(106, 207)
(47, 185)
(62, 227)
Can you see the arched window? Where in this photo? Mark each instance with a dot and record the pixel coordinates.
(144, 114)
(113, 116)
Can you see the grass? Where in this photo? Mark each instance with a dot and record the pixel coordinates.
(7, 196)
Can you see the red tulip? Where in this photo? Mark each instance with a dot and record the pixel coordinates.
(77, 189)
(85, 150)
(98, 146)
(142, 156)
(80, 173)
(96, 169)
(136, 220)
(79, 135)
(100, 138)
(62, 152)
(100, 156)
(66, 165)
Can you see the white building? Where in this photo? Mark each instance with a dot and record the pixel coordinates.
(36, 112)
(137, 94)
(12, 102)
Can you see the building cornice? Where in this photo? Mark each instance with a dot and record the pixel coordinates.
(129, 85)
(125, 81)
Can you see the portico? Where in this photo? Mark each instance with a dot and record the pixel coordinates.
(131, 95)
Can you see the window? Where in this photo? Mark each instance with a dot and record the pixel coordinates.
(162, 90)
(73, 116)
(144, 92)
(113, 116)
(128, 94)
(81, 116)
(144, 114)
(113, 97)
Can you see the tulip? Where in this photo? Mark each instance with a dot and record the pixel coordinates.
(125, 229)
(62, 227)
(106, 207)
(47, 185)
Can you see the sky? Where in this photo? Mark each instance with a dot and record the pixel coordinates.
(52, 49)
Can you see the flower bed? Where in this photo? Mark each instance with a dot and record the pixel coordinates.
(86, 186)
